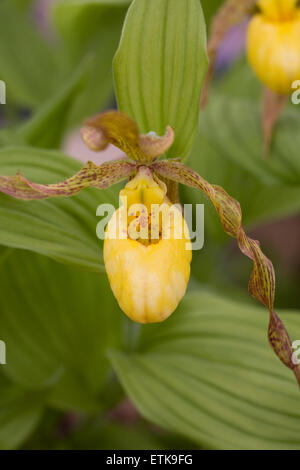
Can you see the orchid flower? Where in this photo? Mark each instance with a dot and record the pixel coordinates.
(149, 278)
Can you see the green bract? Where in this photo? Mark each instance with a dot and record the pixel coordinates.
(160, 66)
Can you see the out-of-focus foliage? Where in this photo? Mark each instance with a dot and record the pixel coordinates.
(46, 128)
(20, 411)
(238, 81)
(209, 374)
(22, 4)
(209, 8)
(103, 432)
(56, 336)
(27, 62)
(90, 28)
(232, 127)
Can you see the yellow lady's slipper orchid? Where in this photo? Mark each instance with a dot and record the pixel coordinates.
(273, 44)
(148, 274)
(148, 256)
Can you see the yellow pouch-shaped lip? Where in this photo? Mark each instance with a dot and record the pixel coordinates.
(273, 44)
(148, 280)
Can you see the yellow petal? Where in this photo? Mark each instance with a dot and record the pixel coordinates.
(273, 45)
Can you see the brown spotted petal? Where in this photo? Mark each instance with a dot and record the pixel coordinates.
(120, 130)
(101, 176)
(262, 280)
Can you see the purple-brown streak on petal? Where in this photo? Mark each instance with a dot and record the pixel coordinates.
(101, 176)
(262, 279)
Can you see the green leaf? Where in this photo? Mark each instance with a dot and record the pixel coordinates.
(238, 138)
(159, 67)
(57, 330)
(47, 127)
(27, 63)
(20, 412)
(90, 28)
(209, 374)
(61, 228)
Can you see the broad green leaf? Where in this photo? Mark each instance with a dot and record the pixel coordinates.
(90, 28)
(61, 228)
(48, 125)
(57, 329)
(232, 127)
(209, 374)
(20, 412)
(159, 67)
(27, 63)
(78, 20)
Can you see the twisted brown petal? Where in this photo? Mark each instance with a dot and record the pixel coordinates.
(101, 176)
(120, 130)
(262, 280)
